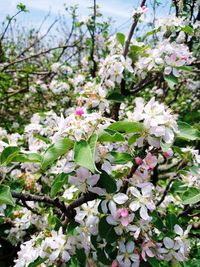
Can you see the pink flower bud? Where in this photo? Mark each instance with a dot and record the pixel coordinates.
(138, 160)
(168, 154)
(114, 264)
(79, 111)
(123, 212)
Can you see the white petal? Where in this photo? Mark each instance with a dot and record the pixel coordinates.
(134, 191)
(143, 213)
(178, 230)
(92, 180)
(168, 242)
(134, 205)
(120, 198)
(130, 246)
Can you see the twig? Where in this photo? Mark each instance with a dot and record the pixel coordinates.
(165, 192)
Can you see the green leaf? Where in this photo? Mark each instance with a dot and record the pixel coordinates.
(171, 80)
(188, 29)
(84, 153)
(154, 31)
(37, 262)
(153, 262)
(81, 257)
(55, 151)
(111, 136)
(186, 68)
(102, 257)
(28, 157)
(187, 132)
(116, 97)
(121, 158)
(191, 196)
(58, 183)
(126, 126)
(195, 170)
(92, 143)
(120, 38)
(5, 195)
(107, 231)
(107, 182)
(8, 154)
(133, 139)
(171, 220)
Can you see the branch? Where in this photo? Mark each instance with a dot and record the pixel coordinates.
(36, 55)
(165, 192)
(93, 71)
(8, 24)
(188, 210)
(68, 211)
(116, 106)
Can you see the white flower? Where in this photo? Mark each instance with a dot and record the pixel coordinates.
(126, 255)
(143, 200)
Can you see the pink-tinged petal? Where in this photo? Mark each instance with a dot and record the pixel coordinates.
(135, 192)
(83, 173)
(120, 198)
(123, 212)
(143, 213)
(168, 154)
(168, 242)
(97, 190)
(178, 230)
(74, 180)
(134, 205)
(125, 221)
(92, 180)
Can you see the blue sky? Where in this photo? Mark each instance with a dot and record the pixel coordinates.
(119, 10)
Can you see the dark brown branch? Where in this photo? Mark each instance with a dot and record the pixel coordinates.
(188, 210)
(165, 192)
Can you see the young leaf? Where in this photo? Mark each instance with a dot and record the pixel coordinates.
(191, 196)
(111, 136)
(58, 183)
(121, 38)
(126, 126)
(121, 158)
(9, 153)
(171, 80)
(5, 195)
(133, 139)
(84, 153)
(55, 151)
(187, 132)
